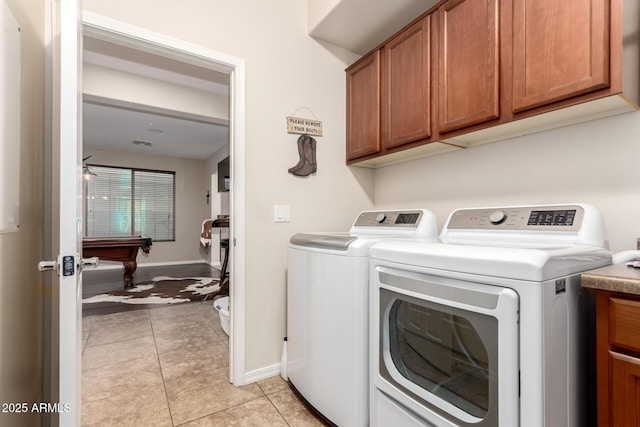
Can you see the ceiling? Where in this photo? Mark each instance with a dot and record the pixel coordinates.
(110, 124)
(361, 25)
(110, 127)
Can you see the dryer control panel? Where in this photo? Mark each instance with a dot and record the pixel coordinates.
(410, 218)
(527, 226)
(543, 218)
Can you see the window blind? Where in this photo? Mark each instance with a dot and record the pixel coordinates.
(130, 202)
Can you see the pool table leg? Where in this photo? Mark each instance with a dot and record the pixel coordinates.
(129, 268)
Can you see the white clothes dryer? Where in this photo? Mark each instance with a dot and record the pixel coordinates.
(327, 314)
(489, 327)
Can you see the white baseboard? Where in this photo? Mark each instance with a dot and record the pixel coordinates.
(261, 374)
(160, 264)
(113, 265)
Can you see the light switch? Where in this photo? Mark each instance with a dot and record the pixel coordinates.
(281, 213)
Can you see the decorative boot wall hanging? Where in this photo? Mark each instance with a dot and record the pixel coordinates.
(307, 152)
(300, 153)
(306, 144)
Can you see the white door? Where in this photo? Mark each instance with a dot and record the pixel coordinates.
(66, 208)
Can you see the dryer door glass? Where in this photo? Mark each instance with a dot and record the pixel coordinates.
(442, 351)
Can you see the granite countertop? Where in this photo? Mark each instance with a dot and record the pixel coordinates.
(614, 278)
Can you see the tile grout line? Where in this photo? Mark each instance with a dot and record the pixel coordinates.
(165, 386)
(276, 408)
(84, 345)
(164, 383)
(266, 396)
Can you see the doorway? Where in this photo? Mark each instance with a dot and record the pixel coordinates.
(111, 31)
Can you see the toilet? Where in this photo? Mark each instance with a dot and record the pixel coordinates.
(222, 305)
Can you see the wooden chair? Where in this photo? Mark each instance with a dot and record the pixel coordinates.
(224, 274)
(205, 235)
(205, 240)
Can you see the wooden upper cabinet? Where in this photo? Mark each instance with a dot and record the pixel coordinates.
(468, 72)
(560, 50)
(363, 107)
(468, 66)
(406, 86)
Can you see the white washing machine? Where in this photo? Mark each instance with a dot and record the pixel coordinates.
(328, 317)
(489, 327)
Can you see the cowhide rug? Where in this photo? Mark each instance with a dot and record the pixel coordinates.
(162, 290)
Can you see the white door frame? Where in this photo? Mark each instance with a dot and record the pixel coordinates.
(121, 33)
(66, 204)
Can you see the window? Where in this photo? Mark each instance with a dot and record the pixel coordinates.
(130, 202)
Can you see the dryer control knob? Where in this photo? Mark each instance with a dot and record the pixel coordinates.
(381, 217)
(497, 217)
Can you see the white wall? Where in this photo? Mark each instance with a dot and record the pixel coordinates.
(594, 162)
(122, 86)
(191, 206)
(318, 10)
(21, 285)
(285, 70)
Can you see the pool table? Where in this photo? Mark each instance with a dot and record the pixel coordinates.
(122, 249)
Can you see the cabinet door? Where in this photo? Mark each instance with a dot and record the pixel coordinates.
(406, 84)
(624, 393)
(468, 63)
(363, 107)
(560, 49)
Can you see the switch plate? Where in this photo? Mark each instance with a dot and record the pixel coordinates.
(281, 213)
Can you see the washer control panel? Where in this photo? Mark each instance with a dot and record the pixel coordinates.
(557, 218)
(403, 219)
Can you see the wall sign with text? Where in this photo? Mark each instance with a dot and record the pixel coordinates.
(302, 126)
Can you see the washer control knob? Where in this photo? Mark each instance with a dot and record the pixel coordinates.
(381, 217)
(497, 217)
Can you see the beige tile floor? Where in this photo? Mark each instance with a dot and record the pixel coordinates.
(168, 366)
